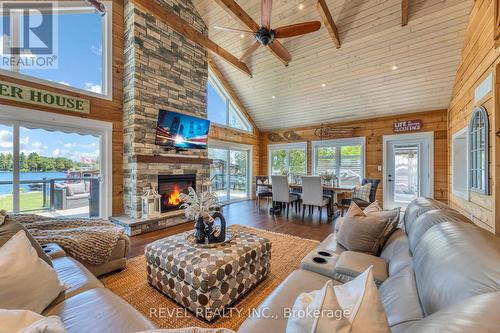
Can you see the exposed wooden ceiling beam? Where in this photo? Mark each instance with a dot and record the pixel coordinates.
(232, 93)
(240, 15)
(328, 21)
(184, 28)
(404, 12)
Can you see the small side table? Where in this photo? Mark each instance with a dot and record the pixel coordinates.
(53, 250)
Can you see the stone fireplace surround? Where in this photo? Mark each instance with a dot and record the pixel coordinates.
(162, 70)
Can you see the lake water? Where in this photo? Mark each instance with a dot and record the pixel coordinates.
(7, 176)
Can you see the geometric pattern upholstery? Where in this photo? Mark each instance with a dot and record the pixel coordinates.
(207, 280)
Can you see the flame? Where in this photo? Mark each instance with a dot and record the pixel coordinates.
(174, 199)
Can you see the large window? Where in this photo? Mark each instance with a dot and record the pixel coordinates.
(230, 171)
(479, 147)
(221, 109)
(288, 159)
(80, 47)
(343, 157)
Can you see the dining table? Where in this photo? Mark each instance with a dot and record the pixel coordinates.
(336, 192)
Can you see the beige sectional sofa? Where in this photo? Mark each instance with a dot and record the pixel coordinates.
(442, 274)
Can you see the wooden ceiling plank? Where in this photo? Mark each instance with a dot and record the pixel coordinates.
(232, 93)
(184, 28)
(328, 21)
(404, 12)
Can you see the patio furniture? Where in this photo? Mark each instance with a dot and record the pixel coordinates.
(312, 195)
(207, 280)
(281, 193)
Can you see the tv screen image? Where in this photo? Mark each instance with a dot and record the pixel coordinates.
(181, 131)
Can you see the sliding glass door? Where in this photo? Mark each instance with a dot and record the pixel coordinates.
(229, 172)
(48, 170)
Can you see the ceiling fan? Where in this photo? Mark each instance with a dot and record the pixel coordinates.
(267, 36)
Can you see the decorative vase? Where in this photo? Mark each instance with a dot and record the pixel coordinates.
(199, 231)
(221, 237)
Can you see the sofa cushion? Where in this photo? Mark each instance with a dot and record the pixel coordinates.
(26, 281)
(430, 218)
(282, 297)
(10, 227)
(351, 264)
(397, 252)
(24, 321)
(75, 188)
(99, 310)
(366, 233)
(478, 314)
(455, 261)
(76, 276)
(400, 298)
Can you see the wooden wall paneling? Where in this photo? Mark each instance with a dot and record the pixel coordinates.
(479, 58)
(100, 109)
(374, 130)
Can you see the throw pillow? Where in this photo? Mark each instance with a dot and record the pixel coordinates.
(26, 281)
(366, 233)
(23, 321)
(3, 215)
(372, 208)
(362, 192)
(352, 307)
(11, 227)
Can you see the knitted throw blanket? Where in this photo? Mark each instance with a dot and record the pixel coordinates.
(88, 240)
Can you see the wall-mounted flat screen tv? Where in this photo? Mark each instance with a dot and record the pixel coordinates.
(181, 131)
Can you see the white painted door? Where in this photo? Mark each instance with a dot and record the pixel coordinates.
(408, 168)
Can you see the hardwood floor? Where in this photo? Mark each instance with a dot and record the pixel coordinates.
(246, 213)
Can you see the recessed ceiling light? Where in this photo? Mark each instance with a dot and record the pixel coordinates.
(242, 35)
(323, 85)
(394, 67)
(273, 97)
(301, 6)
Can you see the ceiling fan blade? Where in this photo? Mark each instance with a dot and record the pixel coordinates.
(267, 8)
(280, 51)
(297, 29)
(240, 31)
(248, 52)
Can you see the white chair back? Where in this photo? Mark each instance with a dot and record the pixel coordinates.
(281, 191)
(312, 191)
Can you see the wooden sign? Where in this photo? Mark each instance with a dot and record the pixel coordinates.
(24, 94)
(407, 126)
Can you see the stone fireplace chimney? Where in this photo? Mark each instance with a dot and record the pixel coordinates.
(163, 70)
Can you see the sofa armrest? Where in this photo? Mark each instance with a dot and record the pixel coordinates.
(53, 250)
(350, 264)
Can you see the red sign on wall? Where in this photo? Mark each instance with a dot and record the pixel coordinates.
(407, 126)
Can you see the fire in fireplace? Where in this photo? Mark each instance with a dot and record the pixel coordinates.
(170, 187)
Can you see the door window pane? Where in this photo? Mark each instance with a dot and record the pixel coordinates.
(218, 172)
(59, 173)
(238, 174)
(6, 168)
(406, 175)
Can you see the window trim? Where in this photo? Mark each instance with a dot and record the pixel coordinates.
(485, 179)
(286, 146)
(23, 116)
(462, 194)
(356, 141)
(212, 79)
(107, 56)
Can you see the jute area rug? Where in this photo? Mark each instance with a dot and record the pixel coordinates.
(131, 284)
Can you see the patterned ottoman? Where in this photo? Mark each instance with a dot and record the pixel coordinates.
(207, 280)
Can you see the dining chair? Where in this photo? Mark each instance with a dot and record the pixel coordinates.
(281, 192)
(312, 195)
(362, 203)
(261, 190)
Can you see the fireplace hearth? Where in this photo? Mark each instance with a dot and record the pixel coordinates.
(171, 186)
